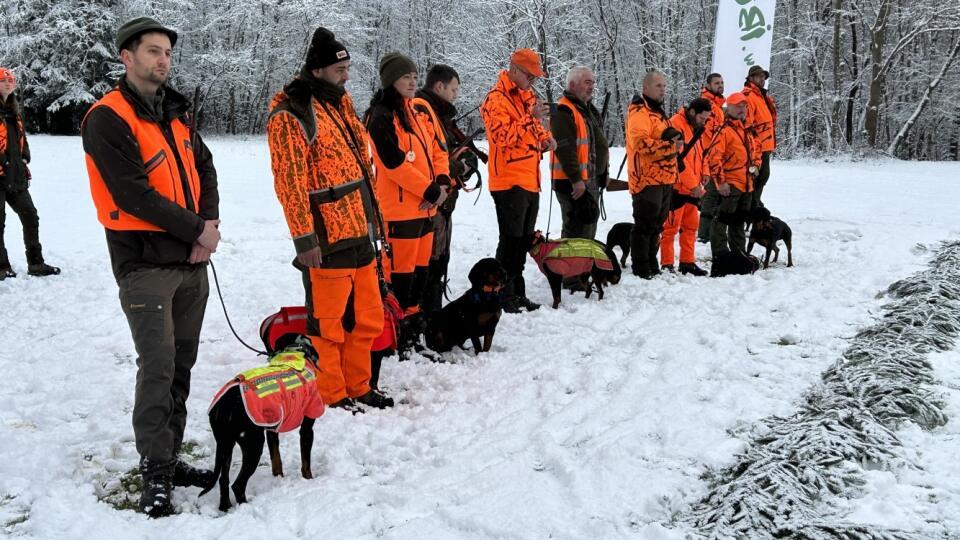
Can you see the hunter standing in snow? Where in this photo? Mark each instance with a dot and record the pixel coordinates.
(321, 172)
(579, 164)
(684, 217)
(652, 148)
(511, 115)
(155, 190)
(712, 92)
(14, 182)
(438, 94)
(412, 179)
(762, 120)
(734, 162)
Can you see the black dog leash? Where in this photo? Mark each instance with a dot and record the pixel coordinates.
(230, 324)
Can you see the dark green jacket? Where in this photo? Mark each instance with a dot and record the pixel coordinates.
(564, 130)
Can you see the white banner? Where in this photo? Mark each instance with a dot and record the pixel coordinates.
(743, 39)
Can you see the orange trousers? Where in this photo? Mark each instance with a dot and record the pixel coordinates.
(686, 220)
(411, 243)
(344, 354)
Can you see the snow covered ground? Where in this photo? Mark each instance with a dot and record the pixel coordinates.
(592, 421)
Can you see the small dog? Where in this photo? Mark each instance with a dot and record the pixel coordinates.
(575, 258)
(731, 263)
(766, 231)
(472, 315)
(619, 236)
(271, 399)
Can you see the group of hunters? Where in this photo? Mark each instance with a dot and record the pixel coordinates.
(345, 182)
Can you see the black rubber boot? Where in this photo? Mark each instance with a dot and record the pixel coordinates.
(692, 268)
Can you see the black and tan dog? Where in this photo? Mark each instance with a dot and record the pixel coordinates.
(767, 230)
(589, 261)
(262, 401)
(473, 315)
(733, 263)
(619, 236)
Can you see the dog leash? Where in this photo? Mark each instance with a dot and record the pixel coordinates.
(216, 281)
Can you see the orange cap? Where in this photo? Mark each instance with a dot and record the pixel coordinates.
(529, 60)
(736, 98)
(7, 74)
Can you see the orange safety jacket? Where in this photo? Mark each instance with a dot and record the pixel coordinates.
(694, 162)
(761, 116)
(583, 146)
(159, 163)
(400, 191)
(4, 141)
(320, 160)
(279, 395)
(514, 135)
(650, 160)
(734, 151)
(716, 117)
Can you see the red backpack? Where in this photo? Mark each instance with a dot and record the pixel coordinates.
(279, 329)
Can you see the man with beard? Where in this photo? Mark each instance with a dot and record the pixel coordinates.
(321, 170)
(155, 190)
(762, 120)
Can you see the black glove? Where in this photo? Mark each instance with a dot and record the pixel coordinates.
(444, 180)
(670, 134)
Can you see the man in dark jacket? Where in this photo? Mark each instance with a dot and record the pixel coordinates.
(155, 190)
(14, 181)
(579, 164)
(439, 92)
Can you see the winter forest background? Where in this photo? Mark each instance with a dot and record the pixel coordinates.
(862, 76)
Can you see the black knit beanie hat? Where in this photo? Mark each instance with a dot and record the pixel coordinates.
(324, 50)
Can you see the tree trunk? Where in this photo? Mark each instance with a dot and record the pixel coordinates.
(878, 36)
(925, 100)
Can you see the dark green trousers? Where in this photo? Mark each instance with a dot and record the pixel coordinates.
(164, 308)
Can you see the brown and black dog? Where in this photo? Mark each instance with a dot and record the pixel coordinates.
(619, 236)
(592, 272)
(473, 315)
(767, 230)
(238, 416)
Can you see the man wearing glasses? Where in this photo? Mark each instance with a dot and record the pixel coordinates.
(511, 115)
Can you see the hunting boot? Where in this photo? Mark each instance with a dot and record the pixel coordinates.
(35, 264)
(509, 301)
(5, 270)
(639, 250)
(376, 399)
(186, 475)
(692, 268)
(155, 499)
(349, 405)
(520, 288)
(669, 268)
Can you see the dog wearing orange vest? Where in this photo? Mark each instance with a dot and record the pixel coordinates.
(264, 402)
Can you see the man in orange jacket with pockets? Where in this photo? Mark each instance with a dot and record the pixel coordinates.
(652, 148)
(684, 216)
(762, 120)
(734, 162)
(511, 115)
(322, 175)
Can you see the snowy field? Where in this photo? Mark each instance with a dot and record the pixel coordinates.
(593, 421)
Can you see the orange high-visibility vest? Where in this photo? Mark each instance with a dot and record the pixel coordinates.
(159, 163)
(583, 146)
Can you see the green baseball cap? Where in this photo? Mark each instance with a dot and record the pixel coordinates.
(141, 25)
